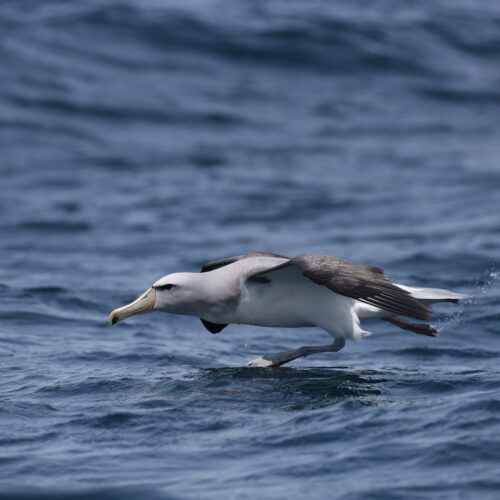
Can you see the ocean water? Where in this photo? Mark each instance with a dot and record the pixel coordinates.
(144, 137)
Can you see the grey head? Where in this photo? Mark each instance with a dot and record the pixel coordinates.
(178, 293)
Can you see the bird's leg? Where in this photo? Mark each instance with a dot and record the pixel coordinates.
(280, 358)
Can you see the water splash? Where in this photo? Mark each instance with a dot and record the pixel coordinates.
(483, 288)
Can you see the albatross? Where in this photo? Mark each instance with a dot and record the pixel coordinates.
(268, 289)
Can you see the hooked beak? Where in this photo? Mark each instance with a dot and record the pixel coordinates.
(142, 304)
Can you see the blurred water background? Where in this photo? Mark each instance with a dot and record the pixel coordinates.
(143, 137)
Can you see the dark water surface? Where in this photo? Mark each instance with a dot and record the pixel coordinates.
(143, 137)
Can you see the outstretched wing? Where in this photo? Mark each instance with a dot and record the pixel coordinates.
(364, 283)
(215, 264)
(210, 266)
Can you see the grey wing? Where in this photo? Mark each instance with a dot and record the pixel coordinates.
(357, 281)
(210, 266)
(215, 264)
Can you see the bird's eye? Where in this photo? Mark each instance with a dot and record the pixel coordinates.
(165, 287)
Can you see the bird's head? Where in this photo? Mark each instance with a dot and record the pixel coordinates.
(175, 293)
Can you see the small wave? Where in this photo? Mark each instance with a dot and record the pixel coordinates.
(116, 418)
(109, 493)
(459, 452)
(142, 357)
(462, 96)
(46, 290)
(35, 438)
(22, 317)
(436, 352)
(63, 226)
(331, 41)
(122, 111)
(89, 386)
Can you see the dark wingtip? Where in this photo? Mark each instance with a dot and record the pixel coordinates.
(430, 332)
(420, 328)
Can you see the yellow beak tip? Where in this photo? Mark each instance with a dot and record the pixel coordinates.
(142, 304)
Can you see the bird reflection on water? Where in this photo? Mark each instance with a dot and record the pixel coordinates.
(288, 388)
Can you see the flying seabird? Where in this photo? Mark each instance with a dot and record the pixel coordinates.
(268, 289)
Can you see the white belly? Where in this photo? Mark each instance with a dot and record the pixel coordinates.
(289, 304)
(270, 304)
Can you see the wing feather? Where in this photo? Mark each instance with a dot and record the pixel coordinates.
(216, 264)
(364, 283)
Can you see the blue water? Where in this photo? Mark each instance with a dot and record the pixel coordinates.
(144, 137)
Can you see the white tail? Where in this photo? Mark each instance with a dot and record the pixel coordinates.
(433, 295)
